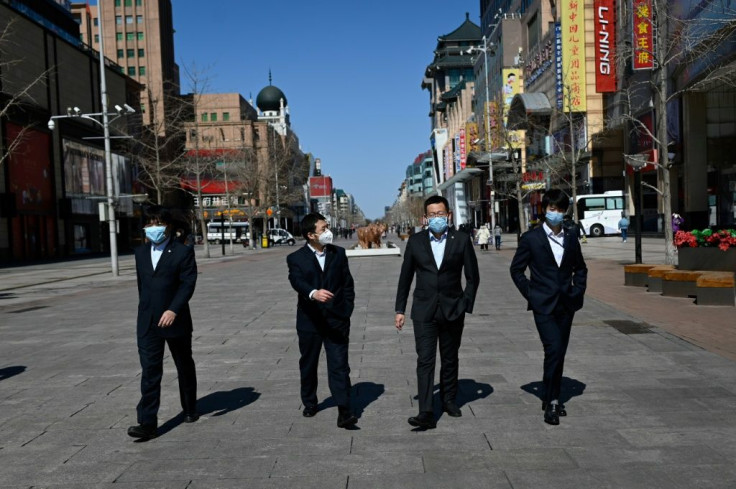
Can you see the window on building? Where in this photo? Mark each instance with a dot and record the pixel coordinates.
(143, 108)
(454, 77)
(139, 19)
(140, 36)
(204, 116)
(130, 36)
(128, 3)
(128, 19)
(121, 53)
(213, 116)
(141, 71)
(534, 30)
(139, 3)
(118, 19)
(131, 70)
(225, 116)
(117, 3)
(130, 53)
(118, 36)
(96, 21)
(97, 38)
(141, 53)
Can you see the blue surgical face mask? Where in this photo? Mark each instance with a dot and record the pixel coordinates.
(155, 234)
(438, 224)
(554, 218)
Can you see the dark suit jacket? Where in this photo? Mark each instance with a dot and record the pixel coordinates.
(549, 284)
(441, 287)
(306, 275)
(169, 287)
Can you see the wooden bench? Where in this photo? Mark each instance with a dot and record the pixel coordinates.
(637, 274)
(680, 283)
(654, 277)
(716, 289)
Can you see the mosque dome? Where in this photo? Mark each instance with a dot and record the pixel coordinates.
(269, 99)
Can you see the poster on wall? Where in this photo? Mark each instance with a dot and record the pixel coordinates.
(84, 177)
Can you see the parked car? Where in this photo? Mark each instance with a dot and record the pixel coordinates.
(281, 236)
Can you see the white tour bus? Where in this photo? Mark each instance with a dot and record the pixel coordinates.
(235, 230)
(599, 213)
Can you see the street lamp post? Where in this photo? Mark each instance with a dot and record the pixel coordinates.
(105, 124)
(637, 162)
(487, 46)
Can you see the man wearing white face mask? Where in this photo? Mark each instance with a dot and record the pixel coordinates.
(167, 275)
(320, 275)
(554, 291)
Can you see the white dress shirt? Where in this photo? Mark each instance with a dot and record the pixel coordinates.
(157, 250)
(320, 259)
(556, 242)
(438, 247)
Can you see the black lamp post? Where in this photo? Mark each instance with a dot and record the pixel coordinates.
(637, 162)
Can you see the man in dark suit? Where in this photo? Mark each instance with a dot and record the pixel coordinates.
(554, 291)
(167, 275)
(320, 275)
(437, 256)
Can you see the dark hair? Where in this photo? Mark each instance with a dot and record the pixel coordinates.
(557, 198)
(436, 199)
(309, 223)
(156, 213)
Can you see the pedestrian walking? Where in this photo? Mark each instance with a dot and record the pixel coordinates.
(320, 275)
(438, 257)
(581, 232)
(497, 233)
(554, 291)
(483, 236)
(166, 271)
(623, 226)
(677, 221)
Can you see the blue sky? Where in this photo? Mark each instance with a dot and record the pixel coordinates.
(351, 72)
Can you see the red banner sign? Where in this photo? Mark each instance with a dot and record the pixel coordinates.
(643, 35)
(605, 41)
(320, 187)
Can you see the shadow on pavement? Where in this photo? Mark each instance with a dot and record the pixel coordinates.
(7, 372)
(216, 404)
(570, 388)
(362, 394)
(469, 390)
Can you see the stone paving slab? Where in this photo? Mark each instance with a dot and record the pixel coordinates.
(646, 409)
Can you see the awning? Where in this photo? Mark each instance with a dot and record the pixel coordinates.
(462, 176)
(527, 105)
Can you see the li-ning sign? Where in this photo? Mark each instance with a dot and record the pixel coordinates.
(605, 40)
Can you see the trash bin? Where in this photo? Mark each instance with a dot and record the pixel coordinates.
(264, 241)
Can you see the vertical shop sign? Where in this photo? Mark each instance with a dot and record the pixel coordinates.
(573, 55)
(605, 41)
(642, 35)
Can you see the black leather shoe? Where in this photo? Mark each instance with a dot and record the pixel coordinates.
(309, 411)
(190, 417)
(560, 409)
(423, 420)
(346, 418)
(552, 415)
(452, 409)
(143, 431)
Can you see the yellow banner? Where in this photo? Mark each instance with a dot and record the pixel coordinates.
(573, 55)
(513, 83)
(471, 137)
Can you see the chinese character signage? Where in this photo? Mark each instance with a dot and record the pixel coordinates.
(558, 65)
(472, 137)
(573, 55)
(605, 40)
(643, 37)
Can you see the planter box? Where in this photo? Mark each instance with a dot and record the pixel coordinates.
(706, 259)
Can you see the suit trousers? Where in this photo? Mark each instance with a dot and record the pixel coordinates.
(554, 331)
(151, 353)
(336, 344)
(426, 336)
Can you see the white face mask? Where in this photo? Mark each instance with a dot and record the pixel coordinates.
(325, 238)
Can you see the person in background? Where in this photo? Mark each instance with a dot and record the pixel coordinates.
(483, 235)
(554, 291)
(497, 232)
(677, 221)
(623, 226)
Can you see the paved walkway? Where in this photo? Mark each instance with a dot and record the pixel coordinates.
(646, 408)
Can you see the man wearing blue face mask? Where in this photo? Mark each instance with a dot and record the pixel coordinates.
(167, 275)
(554, 291)
(437, 256)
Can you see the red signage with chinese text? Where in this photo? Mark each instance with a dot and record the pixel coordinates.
(643, 36)
(605, 41)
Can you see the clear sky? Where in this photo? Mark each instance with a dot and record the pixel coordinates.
(351, 71)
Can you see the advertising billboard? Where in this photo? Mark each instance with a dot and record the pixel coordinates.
(605, 42)
(573, 55)
(320, 187)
